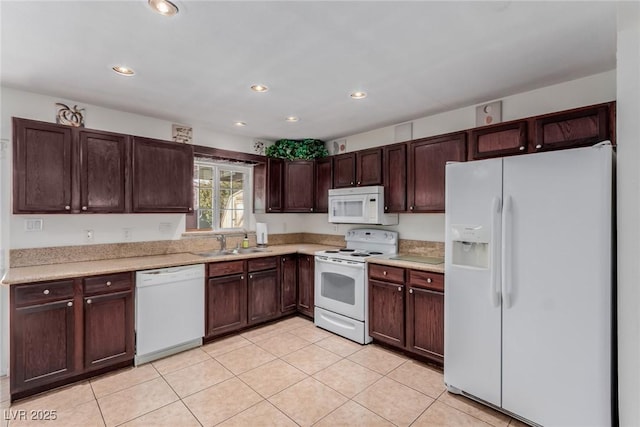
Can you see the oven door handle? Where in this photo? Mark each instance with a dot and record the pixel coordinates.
(323, 259)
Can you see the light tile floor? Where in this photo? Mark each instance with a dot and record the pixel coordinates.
(284, 374)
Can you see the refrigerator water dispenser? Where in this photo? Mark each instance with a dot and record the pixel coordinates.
(470, 244)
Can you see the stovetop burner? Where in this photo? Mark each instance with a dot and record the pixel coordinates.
(347, 250)
(330, 252)
(375, 253)
(360, 254)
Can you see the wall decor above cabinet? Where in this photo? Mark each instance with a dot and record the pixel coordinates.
(297, 149)
(63, 169)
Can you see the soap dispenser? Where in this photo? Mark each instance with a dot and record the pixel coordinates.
(245, 241)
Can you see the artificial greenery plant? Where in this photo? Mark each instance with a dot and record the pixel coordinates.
(297, 149)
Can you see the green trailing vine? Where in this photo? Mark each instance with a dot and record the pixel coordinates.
(297, 149)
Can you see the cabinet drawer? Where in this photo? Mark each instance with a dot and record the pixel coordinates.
(107, 284)
(386, 273)
(262, 263)
(427, 280)
(217, 269)
(41, 293)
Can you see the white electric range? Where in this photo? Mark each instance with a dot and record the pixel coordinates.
(341, 291)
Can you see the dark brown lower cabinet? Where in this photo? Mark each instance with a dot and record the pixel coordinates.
(386, 312)
(55, 340)
(263, 296)
(226, 304)
(108, 329)
(306, 277)
(408, 316)
(288, 283)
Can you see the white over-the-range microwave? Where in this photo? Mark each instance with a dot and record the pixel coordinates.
(359, 205)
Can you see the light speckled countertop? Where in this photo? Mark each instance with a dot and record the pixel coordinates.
(384, 260)
(39, 273)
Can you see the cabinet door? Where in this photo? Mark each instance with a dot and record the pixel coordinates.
(42, 167)
(108, 329)
(288, 283)
(386, 312)
(306, 277)
(298, 186)
(162, 176)
(103, 171)
(576, 128)
(427, 160)
(275, 172)
(226, 308)
(263, 296)
(425, 322)
(344, 170)
(369, 167)
(43, 345)
(395, 178)
(498, 140)
(323, 182)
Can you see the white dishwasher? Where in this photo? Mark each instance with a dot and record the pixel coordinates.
(169, 311)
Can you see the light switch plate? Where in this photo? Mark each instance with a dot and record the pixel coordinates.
(33, 224)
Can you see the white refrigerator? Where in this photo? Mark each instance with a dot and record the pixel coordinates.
(529, 284)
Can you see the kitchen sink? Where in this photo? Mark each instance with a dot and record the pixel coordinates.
(225, 252)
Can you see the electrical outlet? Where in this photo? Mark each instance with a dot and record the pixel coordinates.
(33, 224)
(127, 233)
(88, 235)
(335, 228)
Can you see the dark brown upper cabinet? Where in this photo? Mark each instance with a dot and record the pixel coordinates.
(498, 140)
(162, 176)
(369, 167)
(275, 179)
(298, 186)
(358, 168)
(103, 172)
(323, 182)
(427, 160)
(395, 178)
(344, 170)
(42, 167)
(575, 128)
(60, 169)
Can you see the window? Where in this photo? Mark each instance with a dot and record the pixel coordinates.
(222, 194)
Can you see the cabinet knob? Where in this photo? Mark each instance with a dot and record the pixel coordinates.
(283, 259)
(384, 273)
(399, 288)
(429, 280)
(521, 148)
(251, 276)
(358, 182)
(410, 208)
(84, 208)
(108, 283)
(386, 208)
(241, 277)
(67, 208)
(269, 208)
(46, 292)
(70, 304)
(539, 146)
(89, 301)
(410, 291)
(311, 209)
(351, 182)
(190, 209)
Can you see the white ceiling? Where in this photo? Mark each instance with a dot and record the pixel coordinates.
(414, 58)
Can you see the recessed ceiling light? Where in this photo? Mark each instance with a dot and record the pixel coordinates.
(123, 71)
(292, 119)
(239, 124)
(163, 7)
(259, 88)
(358, 95)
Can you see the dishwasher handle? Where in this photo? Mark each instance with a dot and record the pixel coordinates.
(168, 275)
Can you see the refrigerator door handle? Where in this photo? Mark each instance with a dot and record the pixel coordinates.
(506, 235)
(496, 208)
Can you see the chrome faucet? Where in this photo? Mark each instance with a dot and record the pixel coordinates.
(223, 241)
